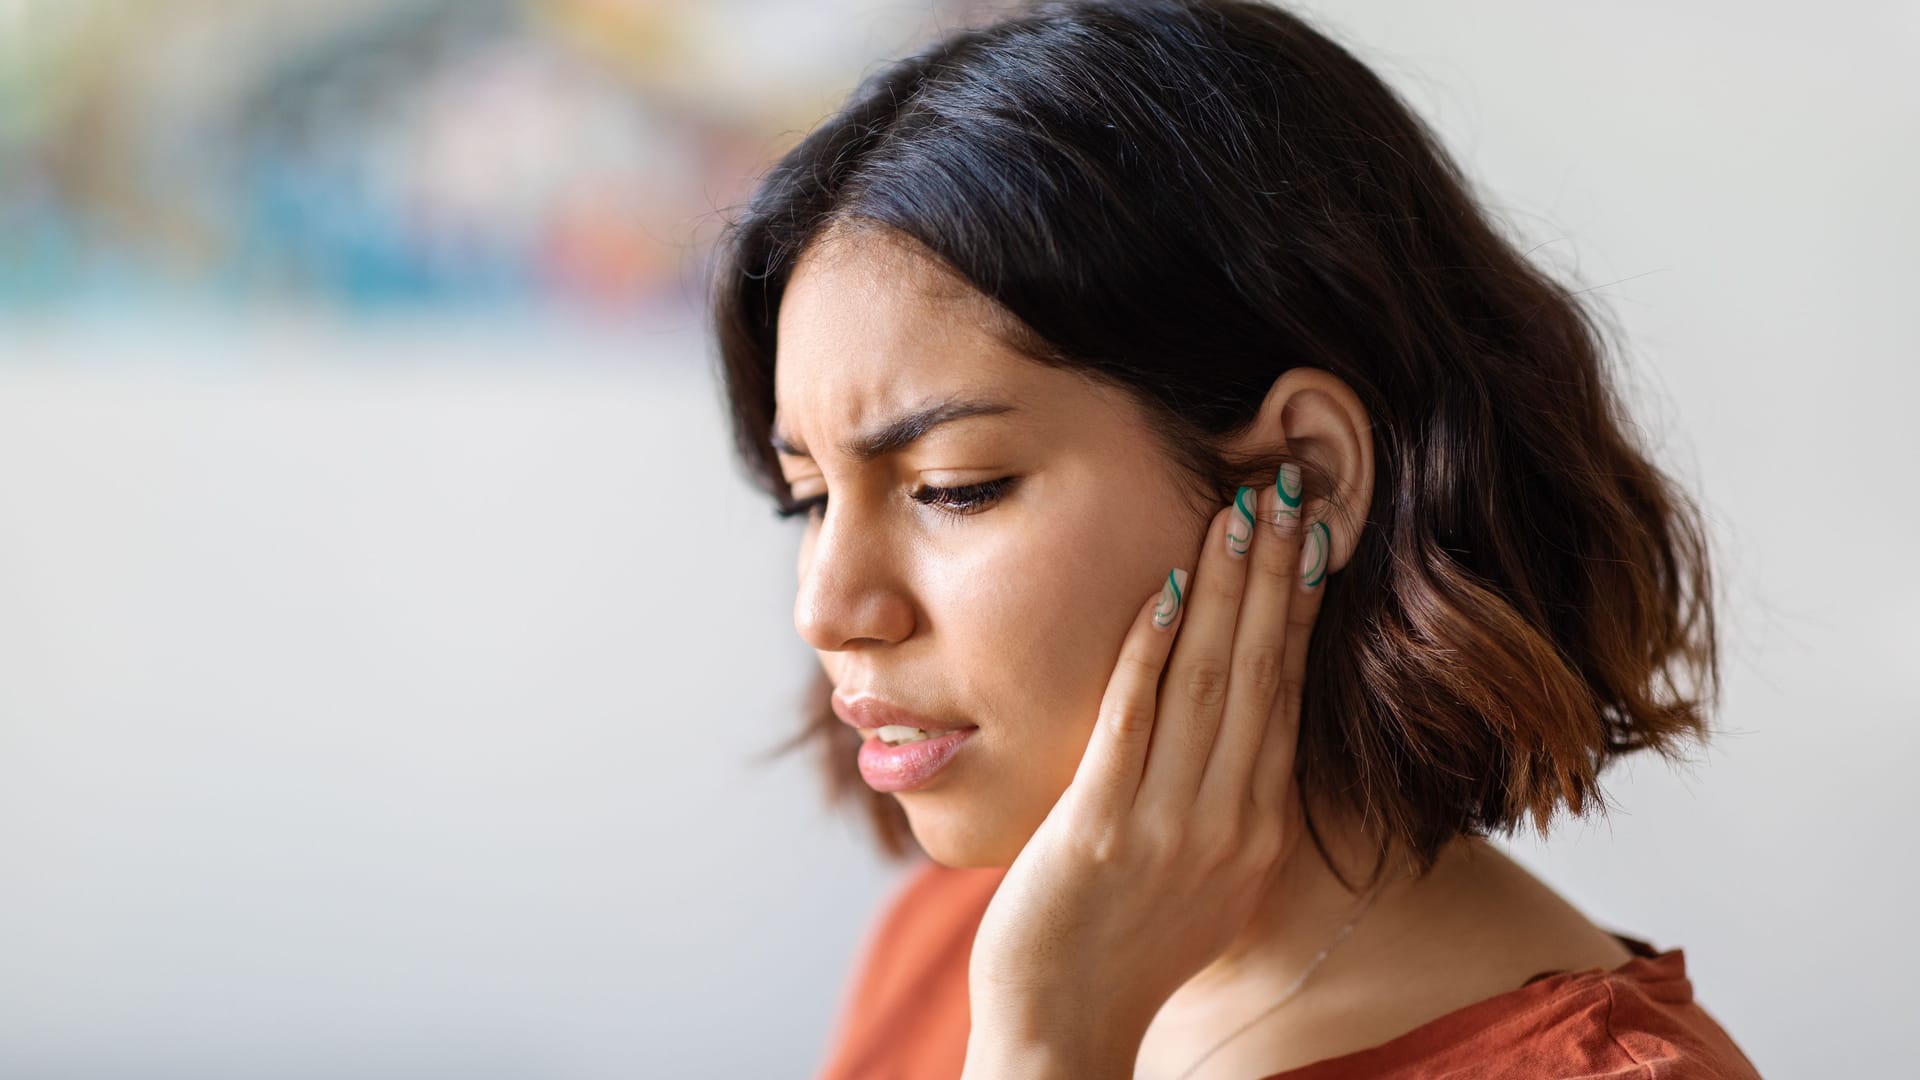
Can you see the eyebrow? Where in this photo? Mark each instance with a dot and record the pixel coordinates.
(902, 431)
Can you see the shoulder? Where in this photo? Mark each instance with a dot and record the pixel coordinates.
(1652, 1018)
(1635, 1021)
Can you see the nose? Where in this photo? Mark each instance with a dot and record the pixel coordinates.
(851, 587)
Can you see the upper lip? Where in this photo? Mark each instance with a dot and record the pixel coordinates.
(868, 712)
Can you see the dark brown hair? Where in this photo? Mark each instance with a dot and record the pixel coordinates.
(1185, 198)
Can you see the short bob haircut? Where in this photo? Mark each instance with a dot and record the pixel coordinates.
(1185, 198)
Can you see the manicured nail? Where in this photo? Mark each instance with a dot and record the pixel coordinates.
(1286, 513)
(1240, 523)
(1313, 554)
(1171, 595)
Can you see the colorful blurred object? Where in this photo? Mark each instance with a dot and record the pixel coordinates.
(373, 155)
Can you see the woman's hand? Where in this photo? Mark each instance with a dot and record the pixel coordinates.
(1149, 865)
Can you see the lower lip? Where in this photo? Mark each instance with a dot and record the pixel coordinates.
(905, 767)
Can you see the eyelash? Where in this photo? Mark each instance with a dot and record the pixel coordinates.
(971, 498)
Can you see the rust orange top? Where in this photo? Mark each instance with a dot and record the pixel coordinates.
(903, 1014)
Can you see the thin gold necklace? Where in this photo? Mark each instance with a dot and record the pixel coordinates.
(1299, 980)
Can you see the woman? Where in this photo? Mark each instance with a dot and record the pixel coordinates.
(1231, 530)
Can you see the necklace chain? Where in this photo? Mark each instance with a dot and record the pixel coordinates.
(1294, 987)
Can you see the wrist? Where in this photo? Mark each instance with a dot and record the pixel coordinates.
(999, 1060)
(1035, 1048)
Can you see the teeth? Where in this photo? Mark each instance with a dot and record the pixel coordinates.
(895, 734)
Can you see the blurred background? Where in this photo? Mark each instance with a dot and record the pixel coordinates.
(387, 639)
(361, 158)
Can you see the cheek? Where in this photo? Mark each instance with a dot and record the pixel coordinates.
(1038, 619)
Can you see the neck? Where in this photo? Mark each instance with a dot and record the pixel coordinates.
(1305, 905)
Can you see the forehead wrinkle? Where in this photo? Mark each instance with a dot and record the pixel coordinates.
(937, 319)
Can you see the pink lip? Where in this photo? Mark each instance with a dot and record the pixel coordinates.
(868, 712)
(909, 765)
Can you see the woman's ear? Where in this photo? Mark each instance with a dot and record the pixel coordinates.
(1315, 415)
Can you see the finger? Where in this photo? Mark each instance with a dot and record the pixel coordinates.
(1108, 775)
(1273, 773)
(1259, 649)
(1194, 691)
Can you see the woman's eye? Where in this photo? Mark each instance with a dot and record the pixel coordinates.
(958, 501)
(961, 501)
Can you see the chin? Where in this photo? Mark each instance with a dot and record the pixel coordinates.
(954, 835)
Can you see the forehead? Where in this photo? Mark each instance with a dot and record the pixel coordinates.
(870, 326)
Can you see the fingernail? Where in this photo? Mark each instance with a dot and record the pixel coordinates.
(1240, 523)
(1171, 595)
(1286, 513)
(1313, 554)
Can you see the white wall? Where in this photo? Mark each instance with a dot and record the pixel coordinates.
(381, 704)
(379, 707)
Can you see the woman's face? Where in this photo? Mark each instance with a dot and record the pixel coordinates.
(1008, 616)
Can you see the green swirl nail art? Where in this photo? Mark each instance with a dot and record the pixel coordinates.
(1313, 557)
(1287, 485)
(1171, 595)
(1240, 525)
